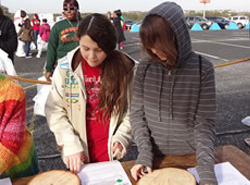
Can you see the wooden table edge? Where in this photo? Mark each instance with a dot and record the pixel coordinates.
(226, 153)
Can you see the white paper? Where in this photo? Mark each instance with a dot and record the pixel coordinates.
(5, 181)
(226, 174)
(103, 173)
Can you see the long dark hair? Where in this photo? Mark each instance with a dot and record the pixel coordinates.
(115, 69)
(36, 16)
(155, 32)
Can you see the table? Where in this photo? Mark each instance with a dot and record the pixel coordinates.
(232, 154)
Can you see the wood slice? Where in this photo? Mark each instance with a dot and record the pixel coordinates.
(55, 177)
(168, 176)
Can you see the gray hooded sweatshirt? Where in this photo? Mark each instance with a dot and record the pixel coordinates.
(173, 110)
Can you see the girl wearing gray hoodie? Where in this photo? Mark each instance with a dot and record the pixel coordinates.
(173, 104)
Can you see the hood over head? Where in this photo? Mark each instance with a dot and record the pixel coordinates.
(173, 14)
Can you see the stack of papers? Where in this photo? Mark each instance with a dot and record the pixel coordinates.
(103, 173)
(226, 174)
(5, 181)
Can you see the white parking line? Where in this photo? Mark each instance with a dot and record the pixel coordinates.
(135, 38)
(234, 45)
(133, 44)
(212, 56)
(221, 43)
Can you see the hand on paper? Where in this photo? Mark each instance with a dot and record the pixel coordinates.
(118, 148)
(74, 162)
(138, 171)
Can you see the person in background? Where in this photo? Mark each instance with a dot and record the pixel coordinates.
(109, 15)
(118, 27)
(173, 104)
(8, 35)
(36, 26)
(62, 36)
(44, 34)
(123, 25)
(87, 107)
(26, 34)
(19, 18)
(18, 156)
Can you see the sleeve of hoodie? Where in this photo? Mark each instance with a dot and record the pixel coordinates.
(58, 120)
(41, 32)
(138, 122)
(205, 126)
(52, 48)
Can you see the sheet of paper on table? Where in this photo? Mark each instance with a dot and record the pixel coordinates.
(5, 181)
(226, 174)
(103, 173)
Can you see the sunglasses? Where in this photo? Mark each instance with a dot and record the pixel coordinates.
(69, 9)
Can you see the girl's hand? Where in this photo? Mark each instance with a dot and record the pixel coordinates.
(74, 162)
(118, 148)
(138, 171)
(48, 75)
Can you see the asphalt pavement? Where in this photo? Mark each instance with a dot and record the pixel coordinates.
(232, 87)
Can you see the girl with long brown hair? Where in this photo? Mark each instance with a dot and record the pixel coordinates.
(87, 108)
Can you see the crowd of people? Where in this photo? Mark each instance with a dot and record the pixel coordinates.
(101, 99)
(17, 36)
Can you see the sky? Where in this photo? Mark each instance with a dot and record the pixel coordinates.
(103, 6)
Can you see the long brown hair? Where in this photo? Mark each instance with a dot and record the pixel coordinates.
(155, 32)
(115, 69)
(36, 16)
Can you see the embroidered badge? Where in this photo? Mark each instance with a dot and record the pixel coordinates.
(69, 73)
(74, 81)
(72, 95)
(66, 80)
(69, 100)
(64, 64)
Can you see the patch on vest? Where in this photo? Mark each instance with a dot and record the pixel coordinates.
(64, 64)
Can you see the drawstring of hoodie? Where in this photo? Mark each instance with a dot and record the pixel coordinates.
(171, 93)
(159, 96)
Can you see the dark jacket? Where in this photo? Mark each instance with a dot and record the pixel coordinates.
(173, 110)
(8, 36)
(119, 31)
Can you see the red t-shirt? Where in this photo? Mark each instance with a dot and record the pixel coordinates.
(36, 24)
(97, 129)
